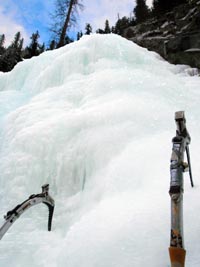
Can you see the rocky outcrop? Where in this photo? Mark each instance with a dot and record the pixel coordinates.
(175, 35)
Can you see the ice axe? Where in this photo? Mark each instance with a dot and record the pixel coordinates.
(180, 143)
(33, 200)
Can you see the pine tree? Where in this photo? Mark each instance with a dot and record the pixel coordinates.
(13, 54)
(107, 27)
(17, 46)
(121, 24)
(68, 40)
(141, 11)
(88, 29)
(163, 6)
(34, 49)
(34, 46)
(2, 42)
(41, 48)
(112, 29)
(100, 31)
(79, 35)
(52, 45)
(16, 40)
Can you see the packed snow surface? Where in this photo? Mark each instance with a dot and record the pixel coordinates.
(95, 120)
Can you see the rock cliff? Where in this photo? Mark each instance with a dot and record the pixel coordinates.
(175, 35)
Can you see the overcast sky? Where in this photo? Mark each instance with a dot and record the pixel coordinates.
(28, 16)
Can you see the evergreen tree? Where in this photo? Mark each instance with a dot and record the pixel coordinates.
(132, 21)
(15, 42)
(34, 49)
(15, 53)
(100, 31)
(68, 40)
(107, 27)
(12, 55)
(34, 46)
(112, 29)
(121, 24)
(163, 6)
(79, 35)
(52, 45)
(17, 46)
(2, 42)
(156, 8)
(141, 11)
(41, 48)
(6, 61)
(88, 29)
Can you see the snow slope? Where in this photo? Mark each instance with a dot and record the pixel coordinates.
(95, 120)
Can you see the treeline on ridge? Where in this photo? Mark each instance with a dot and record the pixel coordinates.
(14, 53)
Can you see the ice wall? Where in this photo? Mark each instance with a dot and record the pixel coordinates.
(95, 120)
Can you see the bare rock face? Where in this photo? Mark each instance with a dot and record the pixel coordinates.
(175, 35)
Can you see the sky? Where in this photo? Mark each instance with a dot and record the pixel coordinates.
(28, 16)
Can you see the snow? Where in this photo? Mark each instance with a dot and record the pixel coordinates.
(185, 27)
(95, 120)
(165, 24)
(190, 13)
(191, 50)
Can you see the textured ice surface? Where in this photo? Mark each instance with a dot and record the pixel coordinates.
(95, 120)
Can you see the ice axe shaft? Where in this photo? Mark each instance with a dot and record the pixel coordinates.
(180, 143)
